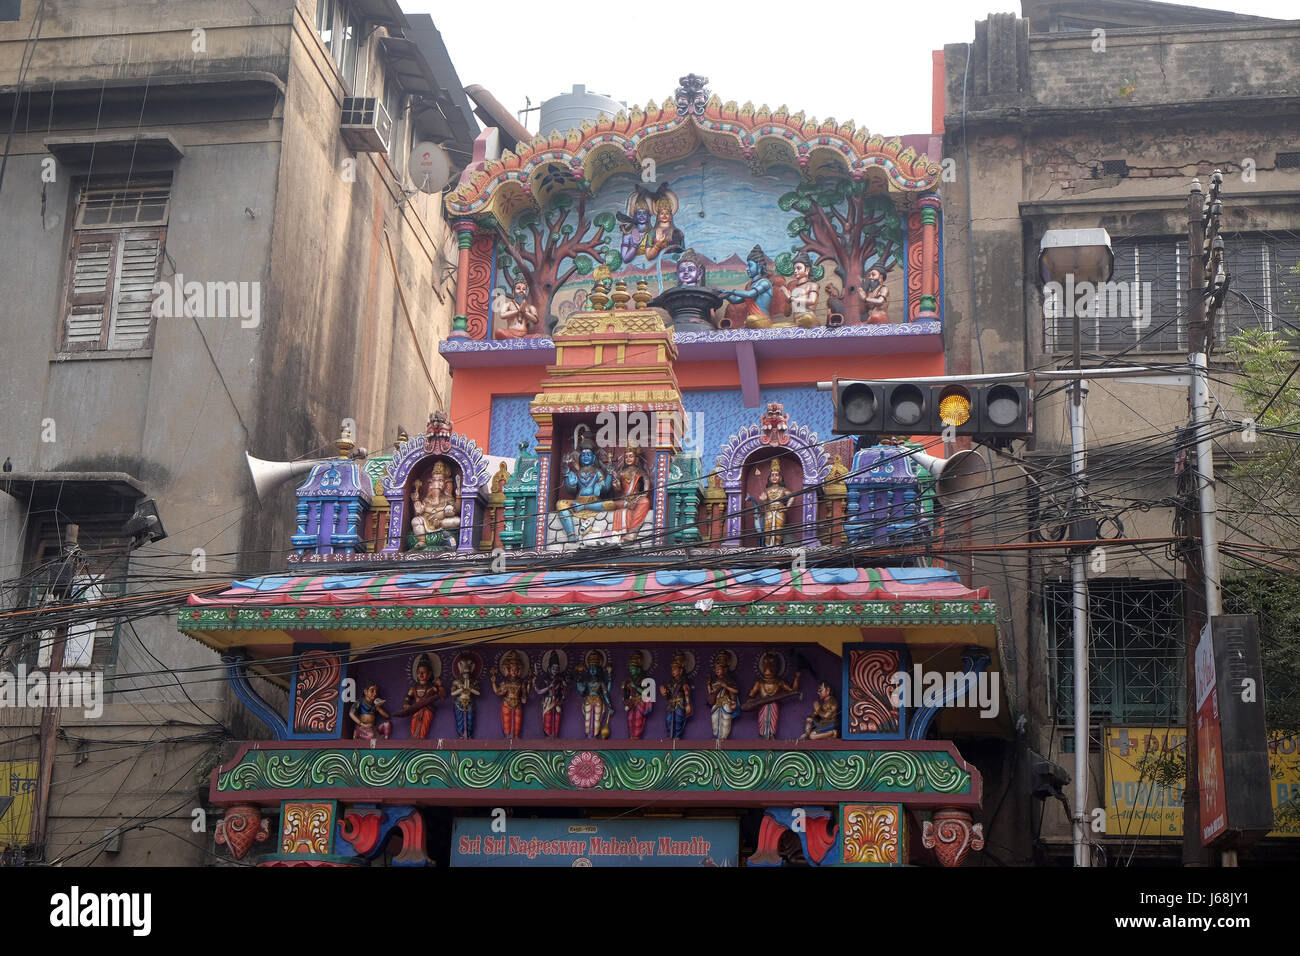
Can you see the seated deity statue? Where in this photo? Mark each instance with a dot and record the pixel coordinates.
(436, 511)
(588, 482)
(632, 482)
(518, 317)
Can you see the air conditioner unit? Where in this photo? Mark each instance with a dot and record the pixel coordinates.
(365, 124)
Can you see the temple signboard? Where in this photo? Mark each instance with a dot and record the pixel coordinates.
(482, 841)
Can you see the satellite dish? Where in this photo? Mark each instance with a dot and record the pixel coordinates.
(430, 167)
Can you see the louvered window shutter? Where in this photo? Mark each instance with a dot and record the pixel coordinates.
(92, 263)
(139, 263)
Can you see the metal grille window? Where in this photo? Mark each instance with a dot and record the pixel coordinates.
(1145, 306)
(114, 260)
(1264, 289)
(1136, 661)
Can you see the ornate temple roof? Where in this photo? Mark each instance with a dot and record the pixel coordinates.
(759, 136)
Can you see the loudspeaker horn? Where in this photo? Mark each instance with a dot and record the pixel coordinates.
(269, 475)
(958, 479)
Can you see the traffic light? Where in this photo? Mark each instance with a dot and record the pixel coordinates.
(989, 412)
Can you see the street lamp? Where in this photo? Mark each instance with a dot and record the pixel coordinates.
(1067, 258)
(1082, 253)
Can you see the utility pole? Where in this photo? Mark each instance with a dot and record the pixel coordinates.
(1204, 600)
(1079, 601)
(50, 716)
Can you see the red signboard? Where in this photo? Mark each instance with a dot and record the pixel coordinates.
(1209, 744)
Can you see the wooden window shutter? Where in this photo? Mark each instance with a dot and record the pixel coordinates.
(139, 264)
(92, 263)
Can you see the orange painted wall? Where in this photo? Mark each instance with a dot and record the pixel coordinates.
(473, 389)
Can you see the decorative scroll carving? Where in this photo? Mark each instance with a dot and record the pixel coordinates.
(916, 265)
(316, 693)
(240, 828)
(478, 297)
(872, 833)
(305, 827)
(952, 836)
(871, 706)
(915, 775)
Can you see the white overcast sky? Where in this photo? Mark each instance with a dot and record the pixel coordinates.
(848, 59)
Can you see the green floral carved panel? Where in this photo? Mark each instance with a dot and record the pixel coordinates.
(919, 772)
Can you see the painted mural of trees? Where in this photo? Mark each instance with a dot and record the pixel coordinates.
(547, 249)
(838, 221)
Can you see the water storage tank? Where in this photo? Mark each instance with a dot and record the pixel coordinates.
(568, 110)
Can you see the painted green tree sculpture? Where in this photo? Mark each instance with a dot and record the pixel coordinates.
(838, 221)
(540, 245)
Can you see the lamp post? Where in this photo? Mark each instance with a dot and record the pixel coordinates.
(1067, 260)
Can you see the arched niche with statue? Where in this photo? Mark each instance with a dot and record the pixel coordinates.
(442, 513)
(753, 499)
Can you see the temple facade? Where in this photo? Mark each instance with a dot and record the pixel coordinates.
(628, 600)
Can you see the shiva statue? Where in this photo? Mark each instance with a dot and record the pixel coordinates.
(634, 224)
(588, 480)
(592, 684)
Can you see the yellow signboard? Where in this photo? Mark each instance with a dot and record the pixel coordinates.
(1136, 806)
(17, 781)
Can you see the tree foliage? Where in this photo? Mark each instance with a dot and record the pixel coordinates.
(1265, 483)
(839, 222)
(541, 242)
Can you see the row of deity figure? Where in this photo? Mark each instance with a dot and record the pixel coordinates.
(513, 683)
(767, 299)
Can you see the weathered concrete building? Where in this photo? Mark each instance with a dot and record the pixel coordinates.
(1099, 114)
(212, 243)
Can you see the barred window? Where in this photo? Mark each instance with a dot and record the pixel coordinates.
(1135, 649)
(1146, 304)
